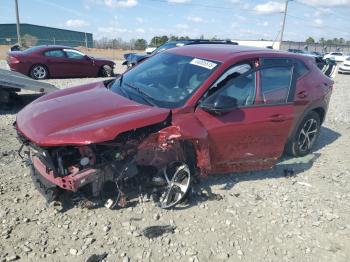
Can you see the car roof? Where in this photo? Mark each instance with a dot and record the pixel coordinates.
(49, 47)
(221, 52)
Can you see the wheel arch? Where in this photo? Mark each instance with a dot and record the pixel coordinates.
(321, 113)
(318, 109)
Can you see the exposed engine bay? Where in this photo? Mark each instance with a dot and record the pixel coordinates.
(147, 161)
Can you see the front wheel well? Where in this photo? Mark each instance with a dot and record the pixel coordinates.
(321, 113)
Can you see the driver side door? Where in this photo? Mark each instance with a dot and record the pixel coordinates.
(80, 65)
(251, 135)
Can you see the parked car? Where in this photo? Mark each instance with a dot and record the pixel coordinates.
(185, 112)
(296, 51)
(132, 59)
(51, 61)
(345, 67)
(336, 56)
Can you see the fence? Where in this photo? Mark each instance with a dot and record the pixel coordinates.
(49, 41)
(322, 48)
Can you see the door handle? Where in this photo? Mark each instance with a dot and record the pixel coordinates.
(302, 94)
(277, 118)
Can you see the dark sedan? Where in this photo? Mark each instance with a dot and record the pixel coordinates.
(42, 62)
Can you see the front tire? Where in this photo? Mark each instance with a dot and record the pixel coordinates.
(106, 71)
(305, 137)
(39, 72)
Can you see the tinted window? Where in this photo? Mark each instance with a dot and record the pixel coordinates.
(241, 88)
(277, 61)
(54, 53)
(33, 49)
(74, 54)
(300, 68)
(275, 84)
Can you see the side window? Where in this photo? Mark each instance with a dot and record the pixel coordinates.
(74, 54)
(54, 53)
(241, 89)
(300, 68)
(275, 84)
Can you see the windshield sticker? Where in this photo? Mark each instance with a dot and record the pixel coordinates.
(203, 63)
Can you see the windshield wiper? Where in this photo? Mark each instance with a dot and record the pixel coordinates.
(144, 96)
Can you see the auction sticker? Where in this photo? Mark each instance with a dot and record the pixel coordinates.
(203, 63)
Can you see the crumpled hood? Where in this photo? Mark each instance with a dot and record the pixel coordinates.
(83, 115)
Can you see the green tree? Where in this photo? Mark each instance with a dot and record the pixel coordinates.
(159, 40)
(140, 44)
(322, 41)
(310, 40)
(29, 40)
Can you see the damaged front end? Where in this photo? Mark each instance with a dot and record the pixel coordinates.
(151, 161)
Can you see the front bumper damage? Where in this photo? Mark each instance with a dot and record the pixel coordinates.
(157, 164)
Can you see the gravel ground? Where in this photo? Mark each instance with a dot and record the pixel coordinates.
(259, 216)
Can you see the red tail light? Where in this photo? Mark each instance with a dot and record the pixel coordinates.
(13, 60)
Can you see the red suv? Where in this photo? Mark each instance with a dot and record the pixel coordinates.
(194, 110)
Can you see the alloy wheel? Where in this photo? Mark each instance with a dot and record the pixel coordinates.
(177, 186)
(39, 72)
(307, 135)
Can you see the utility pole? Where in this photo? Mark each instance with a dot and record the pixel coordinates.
(284, 21)
(86, 42)
(17, 19)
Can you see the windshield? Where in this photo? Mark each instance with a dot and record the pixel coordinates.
(165, 80)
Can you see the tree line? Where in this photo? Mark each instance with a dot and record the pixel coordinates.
(138, 44)
(323, 41)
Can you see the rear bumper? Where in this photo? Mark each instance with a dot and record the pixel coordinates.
(19, 67)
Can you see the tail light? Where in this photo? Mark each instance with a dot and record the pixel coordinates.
(13, 60)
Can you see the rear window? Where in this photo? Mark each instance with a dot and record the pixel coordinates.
(32, 49)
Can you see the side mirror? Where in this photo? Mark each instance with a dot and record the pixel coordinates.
(219, 104)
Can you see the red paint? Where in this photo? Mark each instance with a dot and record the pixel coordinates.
(58, 67)
(243, 139)
(89, 114)
(71, 182)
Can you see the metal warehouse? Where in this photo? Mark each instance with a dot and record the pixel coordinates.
(45, 35)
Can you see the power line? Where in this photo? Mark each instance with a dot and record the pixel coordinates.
(204, 5)
(341, 16)
(327, 26)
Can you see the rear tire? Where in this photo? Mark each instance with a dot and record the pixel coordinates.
(106, 71)
(305, 137)
(39, 72)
